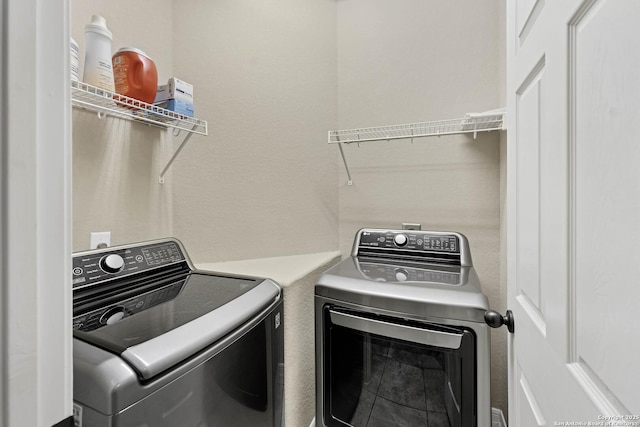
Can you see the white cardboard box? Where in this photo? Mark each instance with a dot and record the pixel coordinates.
(175, 89)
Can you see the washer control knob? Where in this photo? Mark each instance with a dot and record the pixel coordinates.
(112, 263)
(401, 275)
(400, 239)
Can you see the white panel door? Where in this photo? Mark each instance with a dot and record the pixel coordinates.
(574, 211)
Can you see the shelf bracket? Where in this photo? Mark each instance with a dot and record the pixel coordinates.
(184, 142)
(346, 166)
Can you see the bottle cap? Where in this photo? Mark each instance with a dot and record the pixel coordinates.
(98, 25)
(132, 49)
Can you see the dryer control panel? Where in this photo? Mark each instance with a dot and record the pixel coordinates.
(424, 246)
(93, 267)
(410, 240)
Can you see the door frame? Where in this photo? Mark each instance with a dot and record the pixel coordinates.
(35, 214)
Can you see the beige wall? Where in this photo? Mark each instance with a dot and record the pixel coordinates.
(413, 61)
(116, 163)
(264, 182)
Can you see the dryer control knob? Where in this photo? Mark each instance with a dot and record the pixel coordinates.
(400, 239)
(112, 263)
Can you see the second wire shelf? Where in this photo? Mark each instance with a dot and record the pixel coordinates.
(470, 123)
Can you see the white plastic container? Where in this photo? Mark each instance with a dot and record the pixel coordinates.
(75, 60)
(98, 70)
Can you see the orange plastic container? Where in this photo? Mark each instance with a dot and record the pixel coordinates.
(135, 74)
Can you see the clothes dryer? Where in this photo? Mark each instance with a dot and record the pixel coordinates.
(401, 337)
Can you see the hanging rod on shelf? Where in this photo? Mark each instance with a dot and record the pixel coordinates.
(470, 123)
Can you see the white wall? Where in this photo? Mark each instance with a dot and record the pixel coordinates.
(116, 163)
(421, 60)
(264, 182)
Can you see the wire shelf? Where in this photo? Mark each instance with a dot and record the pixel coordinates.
(109, 103)
(471, 123)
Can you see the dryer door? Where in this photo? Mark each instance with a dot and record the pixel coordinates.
(381, 371)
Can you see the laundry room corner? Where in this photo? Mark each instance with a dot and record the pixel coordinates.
(263, 193)
(448, 182)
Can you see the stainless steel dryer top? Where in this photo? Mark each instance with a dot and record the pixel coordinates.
(415, 273)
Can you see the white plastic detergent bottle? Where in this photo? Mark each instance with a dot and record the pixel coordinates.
(98, 69)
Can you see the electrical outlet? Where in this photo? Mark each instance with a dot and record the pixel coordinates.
(100, 239)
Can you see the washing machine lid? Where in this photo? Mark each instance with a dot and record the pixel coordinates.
(175, 318)
(423, 290)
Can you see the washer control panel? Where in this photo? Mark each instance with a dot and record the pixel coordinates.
(97, 266)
